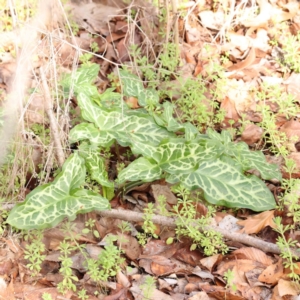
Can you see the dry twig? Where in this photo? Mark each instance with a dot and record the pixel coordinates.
(53, 122)
(245, 239)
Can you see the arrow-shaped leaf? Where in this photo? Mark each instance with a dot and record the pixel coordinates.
(117, 124)
(174, 156)
(140, 169)
(225, 185)
(49, 204)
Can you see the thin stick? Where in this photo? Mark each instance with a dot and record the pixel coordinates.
(245, 239)
(53, 122)
(175, 19)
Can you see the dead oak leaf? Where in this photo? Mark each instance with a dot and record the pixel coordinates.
(272, 273)
(256, 223)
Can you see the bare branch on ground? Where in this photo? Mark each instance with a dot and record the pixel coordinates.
(245, 239)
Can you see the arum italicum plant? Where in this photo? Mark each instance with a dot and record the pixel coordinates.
(165, 149)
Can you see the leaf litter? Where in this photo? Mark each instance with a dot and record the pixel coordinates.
(242, 41)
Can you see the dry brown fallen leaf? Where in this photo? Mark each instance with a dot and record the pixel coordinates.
(256, 223)
(288, 288)
(228, 106)
(210, 262)
(252, 134)
(254, 254)
(272, 273)
(247, 62)
(292, 130)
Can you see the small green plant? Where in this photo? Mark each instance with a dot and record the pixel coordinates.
(195, 107)
(229, 277)
(3, 216)
(109, 261)
(162, 201)
(85, 58)
(290, 198)
(148, 226)
(74, 27)
(34, 251)
(276, 139)
(195, 228)
(290, 48)
(46, 296)
(82, 295)
(287, 104)
(94, 47)
(90, 224)
(148, 287)
(68, 282)
(42, 132)
(291, 187)
(285, 246)
(5, 177)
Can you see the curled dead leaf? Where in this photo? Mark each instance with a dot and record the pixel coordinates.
(248, 61)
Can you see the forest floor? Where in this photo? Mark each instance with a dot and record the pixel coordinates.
(183, 118)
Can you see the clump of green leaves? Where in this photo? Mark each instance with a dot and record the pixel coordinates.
(47, 296)
(90, 224)
(42, 132)
(211, 162)
(290, 198)
(9, 187)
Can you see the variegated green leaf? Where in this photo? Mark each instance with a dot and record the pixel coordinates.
(192, 133)
(148, 97)
(224, 137)
(116, 124)
(167, 120)
(144, 149)
(140, 169)
(179, 156)
(88, 131)
(175, 156)
(85, 75)
(224, 185)
(96, 166)
(256, 160)
(133, 87)
(131, 84)
(241, 153)
(110, 99)
(49, 204)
